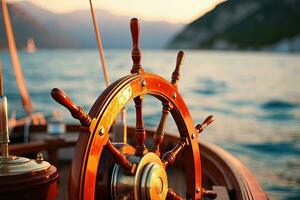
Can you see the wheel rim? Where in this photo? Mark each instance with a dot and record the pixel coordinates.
(104, 111)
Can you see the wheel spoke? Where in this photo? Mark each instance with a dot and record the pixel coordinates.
(159, 134)
(209, 193)
(200, 127)
(176, 73)
(120, 158)
(172, 195)
(136, 54)
(140, 128)
(170, 156)
(77, 112)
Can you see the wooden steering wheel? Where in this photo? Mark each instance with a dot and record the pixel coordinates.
(103, 170)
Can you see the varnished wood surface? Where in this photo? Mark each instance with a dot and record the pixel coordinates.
(173, 196)
(200, 127)
(120, 158)
(176, 74)
(140, 132)
(136, 54)
(36, 186)
(76, 111)
(92, 144)
(37, 146)
(158, 136)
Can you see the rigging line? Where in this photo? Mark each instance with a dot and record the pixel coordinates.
(104, 67)
(100, 47)
(27, 103)
(1, 81)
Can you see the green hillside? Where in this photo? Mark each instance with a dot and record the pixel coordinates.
(244, 24)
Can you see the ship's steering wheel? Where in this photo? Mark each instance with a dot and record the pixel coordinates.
(103, 170)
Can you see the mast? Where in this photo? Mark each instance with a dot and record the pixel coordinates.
(27, 103)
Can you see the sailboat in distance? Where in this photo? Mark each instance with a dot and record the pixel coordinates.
(30, 46)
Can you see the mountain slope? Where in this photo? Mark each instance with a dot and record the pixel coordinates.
(25, 26)
(243, 24)
(75, 30)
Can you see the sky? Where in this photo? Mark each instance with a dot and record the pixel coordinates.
(174, 11)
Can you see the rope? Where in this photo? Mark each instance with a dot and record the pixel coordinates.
(1, 81)
(104, 67)
(100, 47)
(27, 103)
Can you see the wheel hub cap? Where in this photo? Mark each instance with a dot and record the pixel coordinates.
(154, 182)
(148, 183)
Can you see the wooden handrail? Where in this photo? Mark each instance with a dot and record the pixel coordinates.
(34, 147)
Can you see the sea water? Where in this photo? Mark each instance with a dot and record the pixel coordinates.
(255, 98)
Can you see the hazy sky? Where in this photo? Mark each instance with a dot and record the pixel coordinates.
(169, 10)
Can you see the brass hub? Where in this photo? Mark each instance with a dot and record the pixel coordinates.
(154, 182)
(150, 182)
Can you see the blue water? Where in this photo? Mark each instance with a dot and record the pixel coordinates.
(255, 98)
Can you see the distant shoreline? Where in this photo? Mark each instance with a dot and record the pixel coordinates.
(225, 51)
